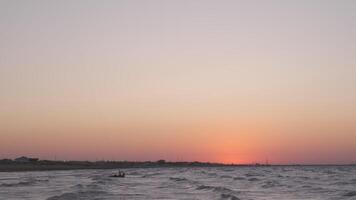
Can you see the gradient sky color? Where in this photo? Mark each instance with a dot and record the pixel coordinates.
(221, 81)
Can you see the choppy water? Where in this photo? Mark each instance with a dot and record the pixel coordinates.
(338, 182)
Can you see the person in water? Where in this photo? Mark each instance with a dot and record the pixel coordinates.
(119, 174)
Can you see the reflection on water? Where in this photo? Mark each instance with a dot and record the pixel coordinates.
(324, 182)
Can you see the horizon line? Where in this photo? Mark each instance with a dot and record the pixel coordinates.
(202, 162)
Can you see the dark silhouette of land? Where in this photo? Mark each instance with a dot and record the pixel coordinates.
(34, 164)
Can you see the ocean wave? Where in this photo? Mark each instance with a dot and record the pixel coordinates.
(177, 179)
(63, 196)
(253, 174)
(18, 184)
(353, 181)
(225, 176)
(195, 183)
(25, 182)
(76, 195)
(151, 175)
(7, 179)
(228, 169)
(304, 177)
(204, 187)
(346, 182)
(213, 174)
(307, 186)
(229, 196)
(350, 194)
(239, 178)
(78, 186)
(215, 188)
(225, 193)
(329, 172)
(271, 184)
(135, 173)
(100, 177)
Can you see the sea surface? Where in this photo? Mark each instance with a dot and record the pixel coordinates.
(299, 182)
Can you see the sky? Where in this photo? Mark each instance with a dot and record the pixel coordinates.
(218, 81)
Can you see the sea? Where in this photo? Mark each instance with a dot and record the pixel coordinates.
(264, 182)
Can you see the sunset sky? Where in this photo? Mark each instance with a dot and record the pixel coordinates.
(219, 81)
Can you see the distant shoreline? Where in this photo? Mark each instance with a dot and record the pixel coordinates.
(12, 166)
(46, 165)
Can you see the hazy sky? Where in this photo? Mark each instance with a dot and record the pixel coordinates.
(224, 81)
